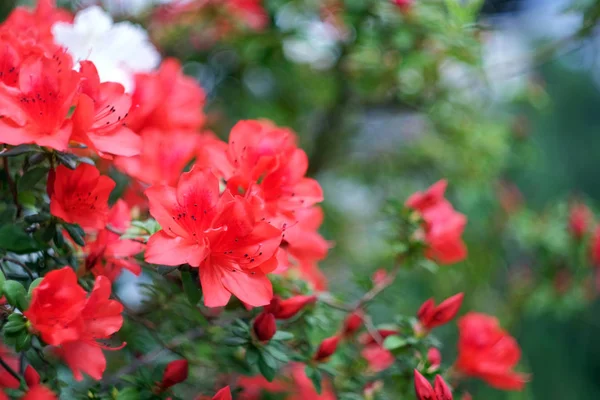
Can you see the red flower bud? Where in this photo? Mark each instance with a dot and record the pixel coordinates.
(442, 391)
(580, 218)
(431, 316)
(223, 394)
(379, 276)
(423, 388)
(31, 376)
(327, 348)
(265, 326)
(352, 323)
(176, 372)
(285, 309)
(434, 357)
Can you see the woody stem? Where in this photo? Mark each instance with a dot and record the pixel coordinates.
(10, 370)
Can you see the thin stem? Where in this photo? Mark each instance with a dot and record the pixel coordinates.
(12, 186)
(121, 233)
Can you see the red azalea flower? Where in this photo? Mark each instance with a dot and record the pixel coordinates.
(217, 233)
(60, 313)
(101, 318)
(163, 156)
(56, 306)
(99, 119)
(36, 110)
(580, 220)
(431, 316)
(175, 372)
(487, 352)
(109, 254)
(80, 196)
(443, 225)
(167, 100)
(286, 309)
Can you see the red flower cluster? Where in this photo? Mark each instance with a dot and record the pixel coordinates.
(488, 352)
(442, 224)
(377, 356)
(63, 316)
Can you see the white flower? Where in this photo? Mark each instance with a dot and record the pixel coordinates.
(118, 50)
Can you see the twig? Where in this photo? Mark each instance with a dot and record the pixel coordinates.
(121, 233)
(149, 357)
(372, 329)
(10, 370)
(20, 264)
(12, 186)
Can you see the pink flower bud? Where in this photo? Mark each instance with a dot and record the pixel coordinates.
(580, 219)
(431, 316)
(423, 388)
(223, 394)
(265, 326)
(434, 357)
(442, 391)
(353, 323)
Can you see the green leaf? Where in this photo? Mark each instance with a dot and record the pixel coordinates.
(22, 149)
(315, 376)
(266, 370)
(13, 238)
(277, 354)
(14, 325)
(190, 288)
(37, 218)
(47, 234)
(76, 233)
(31, 178)
(68, 160)
(23, 341)
(234, 341)
(283, 335)
(34, 284)
(128, 393)
(2, 280)
(394, 342)
(268, 359)
(252, 355)
(15, 295)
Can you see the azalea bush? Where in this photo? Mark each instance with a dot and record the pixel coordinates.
(177, 223)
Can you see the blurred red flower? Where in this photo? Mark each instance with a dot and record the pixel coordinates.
(487, 352)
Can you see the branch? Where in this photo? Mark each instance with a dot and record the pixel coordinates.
(12, 186)
(114, 230)
(20, 264)
(149, 357)
(10, 370)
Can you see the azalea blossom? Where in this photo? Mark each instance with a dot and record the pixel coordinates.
(487, 352)
(218, 233)
(65, 317)
(108, 254)
(443, 225)
(100, 116)
(288, 308)
(424, 390)
(35, 110)
(80, 196)
(377, 356)
(118, 50)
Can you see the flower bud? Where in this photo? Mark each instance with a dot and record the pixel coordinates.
(223, 394)
(442, 391)
(31, 376)
(285, 309)
(434, 357)
(265, 326)
(431, 316)
(379, 277)
(352, 323)
(176, 372)
(327, 348)
(423, 388)
(580, 219)
(403, 5)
